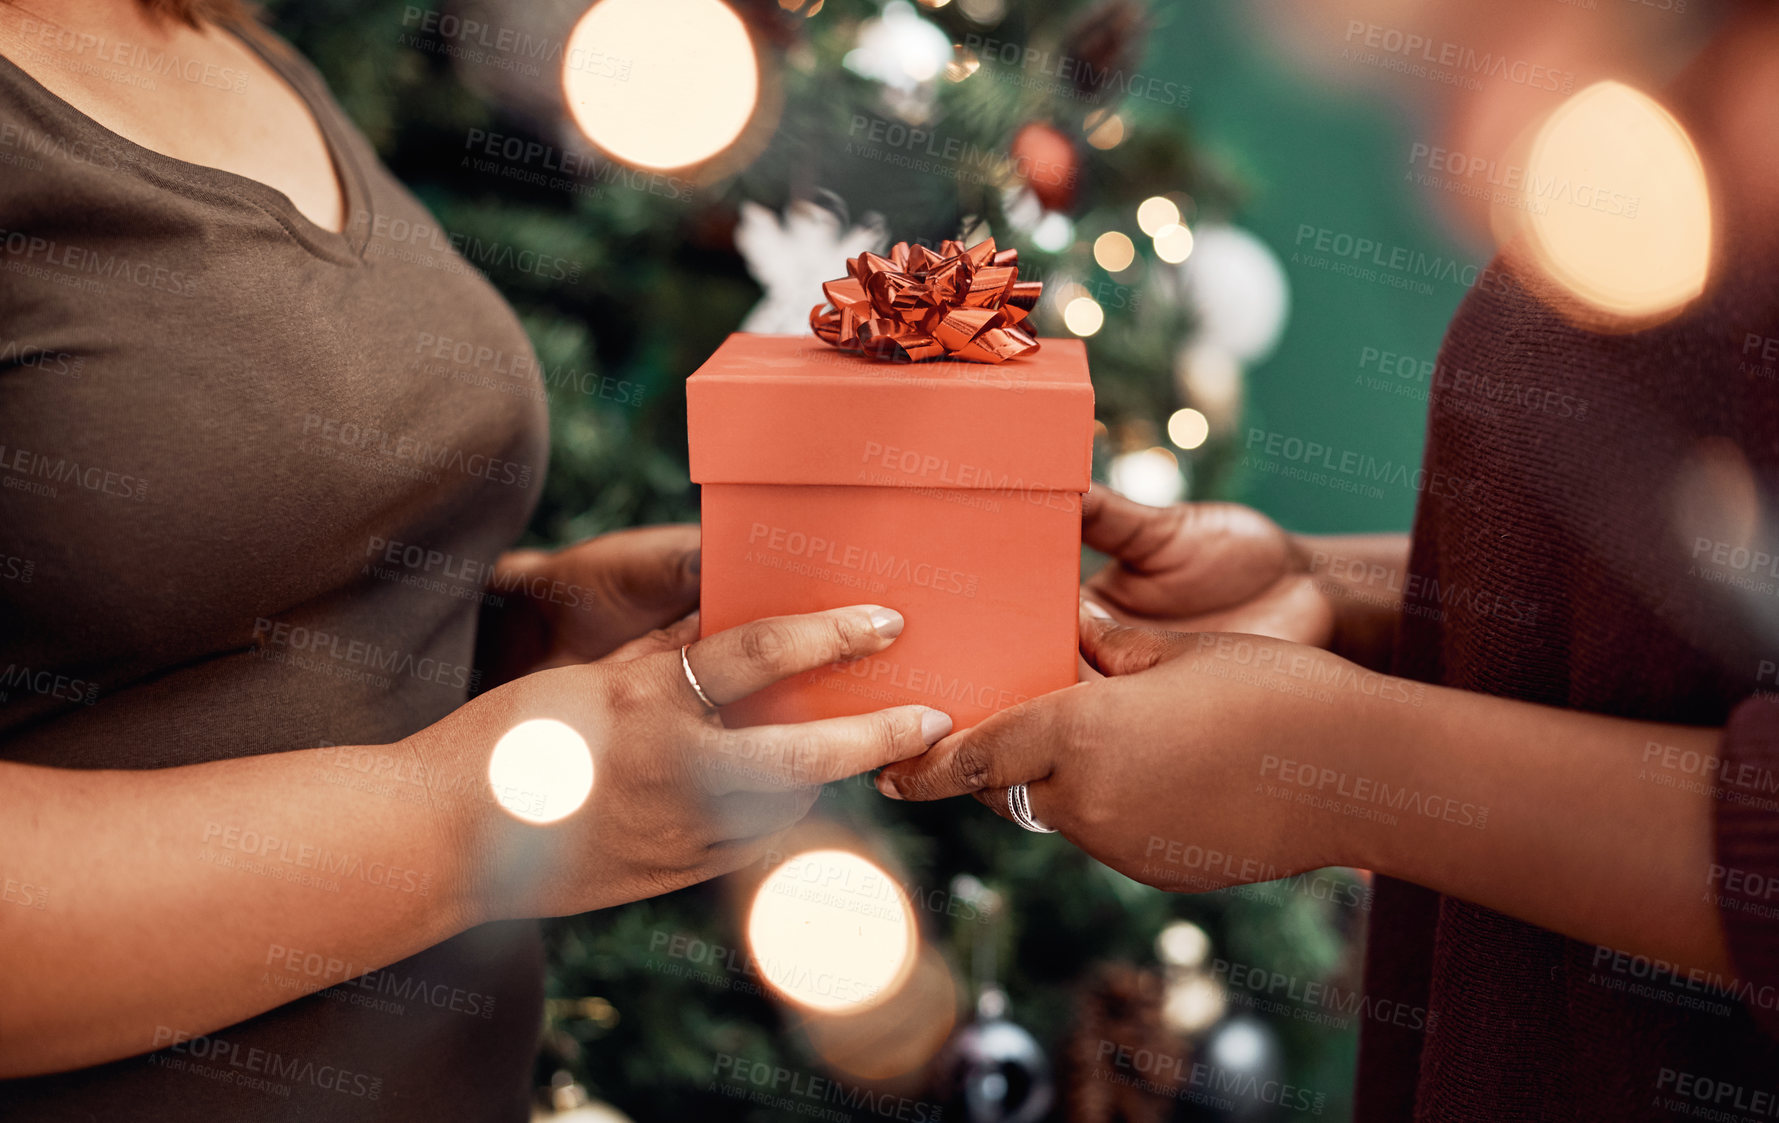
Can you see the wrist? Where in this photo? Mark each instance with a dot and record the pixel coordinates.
(1369, 761)
(1362, 590)
(457, 825)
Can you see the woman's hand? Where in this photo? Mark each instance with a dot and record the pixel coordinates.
(1220, 567)
(580, 603)
(1203, 567)
(1181, 770)
(677, 798)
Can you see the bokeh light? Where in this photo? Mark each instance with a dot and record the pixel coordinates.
(1173, 243)
(1104, 130)
(832, 932)
(1083, 316)
(1114, 251)
(1617, 209)
(1150, 476)
(1053, 232)
(1157, 213)
(691, 87)
(541, 771)
(1188, 428)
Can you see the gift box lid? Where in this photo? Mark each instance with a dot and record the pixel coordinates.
(790, 409)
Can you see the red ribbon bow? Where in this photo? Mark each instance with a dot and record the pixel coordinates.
(916, 304)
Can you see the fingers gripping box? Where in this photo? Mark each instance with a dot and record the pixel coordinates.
(949, 491)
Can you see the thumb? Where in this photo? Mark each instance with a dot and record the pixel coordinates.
(1114, 649)
(653, 566)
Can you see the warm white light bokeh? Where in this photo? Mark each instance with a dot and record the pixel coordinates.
(1155, 214)
(1618, 209)
(1083, 316)
(1188, 428)
(1173, 243)
(1114, 251)
(832, 932)
(691, 84)
(541, 771)
(1150, 476)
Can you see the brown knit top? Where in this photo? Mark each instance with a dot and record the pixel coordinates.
(1626, 475)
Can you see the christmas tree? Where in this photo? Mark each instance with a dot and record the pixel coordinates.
(1043, 125)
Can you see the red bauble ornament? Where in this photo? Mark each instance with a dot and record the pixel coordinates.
(1045, 159)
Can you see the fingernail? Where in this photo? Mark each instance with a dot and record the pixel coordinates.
(886, 622)
(934, 724)
(1094, 610)
(888, 787)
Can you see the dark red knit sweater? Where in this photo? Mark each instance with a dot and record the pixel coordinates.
(1613, 467)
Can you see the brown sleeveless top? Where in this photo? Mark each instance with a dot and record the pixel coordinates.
(233, 446)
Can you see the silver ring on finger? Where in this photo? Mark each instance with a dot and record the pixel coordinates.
(686, 665)
(1019, 805)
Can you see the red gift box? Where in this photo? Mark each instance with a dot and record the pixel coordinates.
(949, 491)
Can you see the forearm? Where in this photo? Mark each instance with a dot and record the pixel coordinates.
(1362, 576)
(1547, 815)
(182, 900)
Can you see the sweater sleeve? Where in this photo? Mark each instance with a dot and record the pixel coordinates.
(1744, 880)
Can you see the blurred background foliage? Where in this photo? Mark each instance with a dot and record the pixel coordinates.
(1222, 128)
